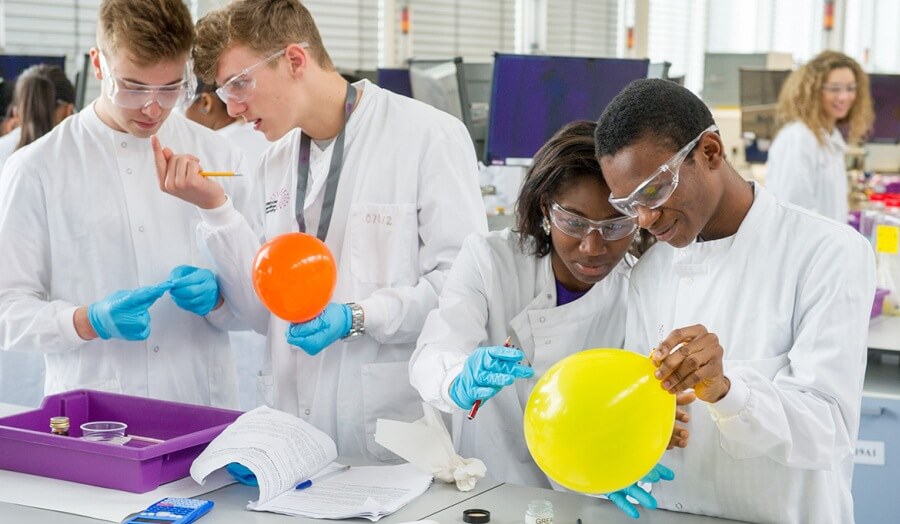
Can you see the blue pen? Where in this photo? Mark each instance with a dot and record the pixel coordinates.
(308, 483)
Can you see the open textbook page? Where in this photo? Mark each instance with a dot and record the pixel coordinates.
(369, 491)
(280, 449)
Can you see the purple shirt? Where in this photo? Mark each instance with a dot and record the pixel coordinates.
(564, 296)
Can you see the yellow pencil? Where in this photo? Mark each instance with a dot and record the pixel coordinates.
(220, 173)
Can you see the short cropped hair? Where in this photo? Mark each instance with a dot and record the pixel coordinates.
(651, 108)
(264, 26)
(151, 30)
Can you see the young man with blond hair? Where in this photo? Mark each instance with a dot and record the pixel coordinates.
(390, 184)
(90, 243)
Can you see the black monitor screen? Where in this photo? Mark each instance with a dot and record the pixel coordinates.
(396, 80)
(13, 65)
(533, 96)
(886, 98)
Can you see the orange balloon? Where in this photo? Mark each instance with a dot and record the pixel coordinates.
(294, 276)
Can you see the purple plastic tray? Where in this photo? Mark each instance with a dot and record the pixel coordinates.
(880, 294)
(26, 444)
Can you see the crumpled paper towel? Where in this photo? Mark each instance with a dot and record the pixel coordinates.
(426, 444)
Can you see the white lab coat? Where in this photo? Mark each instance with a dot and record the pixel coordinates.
(806, 173)
(408, 195)
(788, 297)
(81, 216)
(494, 291)
(8, 143)
(249, 346)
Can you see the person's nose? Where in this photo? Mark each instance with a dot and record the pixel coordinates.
(235, 109)
(646, 217)
(152, 109)
(593, 244)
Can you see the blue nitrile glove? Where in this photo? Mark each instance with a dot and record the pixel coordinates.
(486, 372)
(124, 314)
(319, 333)
(194, 289)
(619, 498)
(241, 474)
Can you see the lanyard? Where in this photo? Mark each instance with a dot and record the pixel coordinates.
(334, 172)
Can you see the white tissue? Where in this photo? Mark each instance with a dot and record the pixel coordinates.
(426, 444)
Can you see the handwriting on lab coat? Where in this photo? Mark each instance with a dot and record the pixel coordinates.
(378, 218)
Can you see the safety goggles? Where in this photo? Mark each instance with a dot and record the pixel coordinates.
(658, 187)
(131, 95)
(836, 89)
(577, 226)
(239, 87)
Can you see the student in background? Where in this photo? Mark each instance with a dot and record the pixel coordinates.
(806, 161)
(556, 285)
(43, 98)
(209, 110)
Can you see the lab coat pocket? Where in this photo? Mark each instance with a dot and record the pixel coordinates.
(265, 390)
(111, 385)
(387, 394)
(384, 240)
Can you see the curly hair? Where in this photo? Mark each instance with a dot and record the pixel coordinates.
(801, 97)
(264, 26)
(563, 160)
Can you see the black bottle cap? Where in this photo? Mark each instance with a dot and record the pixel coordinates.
(476, 516)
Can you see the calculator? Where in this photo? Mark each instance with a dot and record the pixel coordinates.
(170, 510)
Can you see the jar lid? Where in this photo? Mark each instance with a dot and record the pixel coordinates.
(476, 516)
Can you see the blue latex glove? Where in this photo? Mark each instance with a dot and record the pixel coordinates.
(619, 498)
(241, 474)
(487, 371)
(194, 289)
(124, 314)
(324, 330)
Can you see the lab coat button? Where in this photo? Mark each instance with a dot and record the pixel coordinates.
(124, 144)
(307, 412)
(542, 319)
(141, 229)
(690, 281)
(547, 342)
(156, 349)
(128, 170)
(679, 506)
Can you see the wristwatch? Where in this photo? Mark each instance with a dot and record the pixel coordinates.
(357, 321)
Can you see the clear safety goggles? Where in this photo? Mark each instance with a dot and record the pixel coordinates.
(836, 89)
(130, 95)
(239, 87)
(658, 187)
(579, 227)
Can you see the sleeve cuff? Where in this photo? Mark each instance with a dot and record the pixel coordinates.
(222, 317)
(449, 377)
(734, 401)
(65, 321)
(220, 216)
(374, 317)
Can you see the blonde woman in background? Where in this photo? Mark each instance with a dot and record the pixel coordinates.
(806, 161)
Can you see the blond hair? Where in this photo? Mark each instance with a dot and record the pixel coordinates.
(801, 97)
(264, 26)
(151, 30)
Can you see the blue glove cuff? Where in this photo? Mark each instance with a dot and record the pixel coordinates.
(94, 319)
(348, 321)
(456, 393)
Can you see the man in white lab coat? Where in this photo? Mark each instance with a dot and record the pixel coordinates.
(407, 196)
(90, 243)
(761, 307)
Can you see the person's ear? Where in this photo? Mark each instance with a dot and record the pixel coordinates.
(713, 150)
(95, 63)
(298, 58)
(206, 103)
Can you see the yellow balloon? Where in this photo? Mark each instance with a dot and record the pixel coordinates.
(598, 420)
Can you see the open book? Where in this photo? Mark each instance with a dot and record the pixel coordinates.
(284, 451)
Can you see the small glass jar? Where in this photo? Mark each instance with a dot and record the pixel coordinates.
(539, 512)
(59, 426)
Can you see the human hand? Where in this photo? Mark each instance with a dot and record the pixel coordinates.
(179, 176)
(241, 474)
(486, 371)
(194, 289)
(691, 357)
(680, 434)
(124, 314)
(324, 330)
(620, 498)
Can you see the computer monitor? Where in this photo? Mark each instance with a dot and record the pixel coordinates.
(659, 70)
(439, 83)
(758, 92)
(886, 99)
(13, 65)
(477, 80)
(533, 96)
(396, 80)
